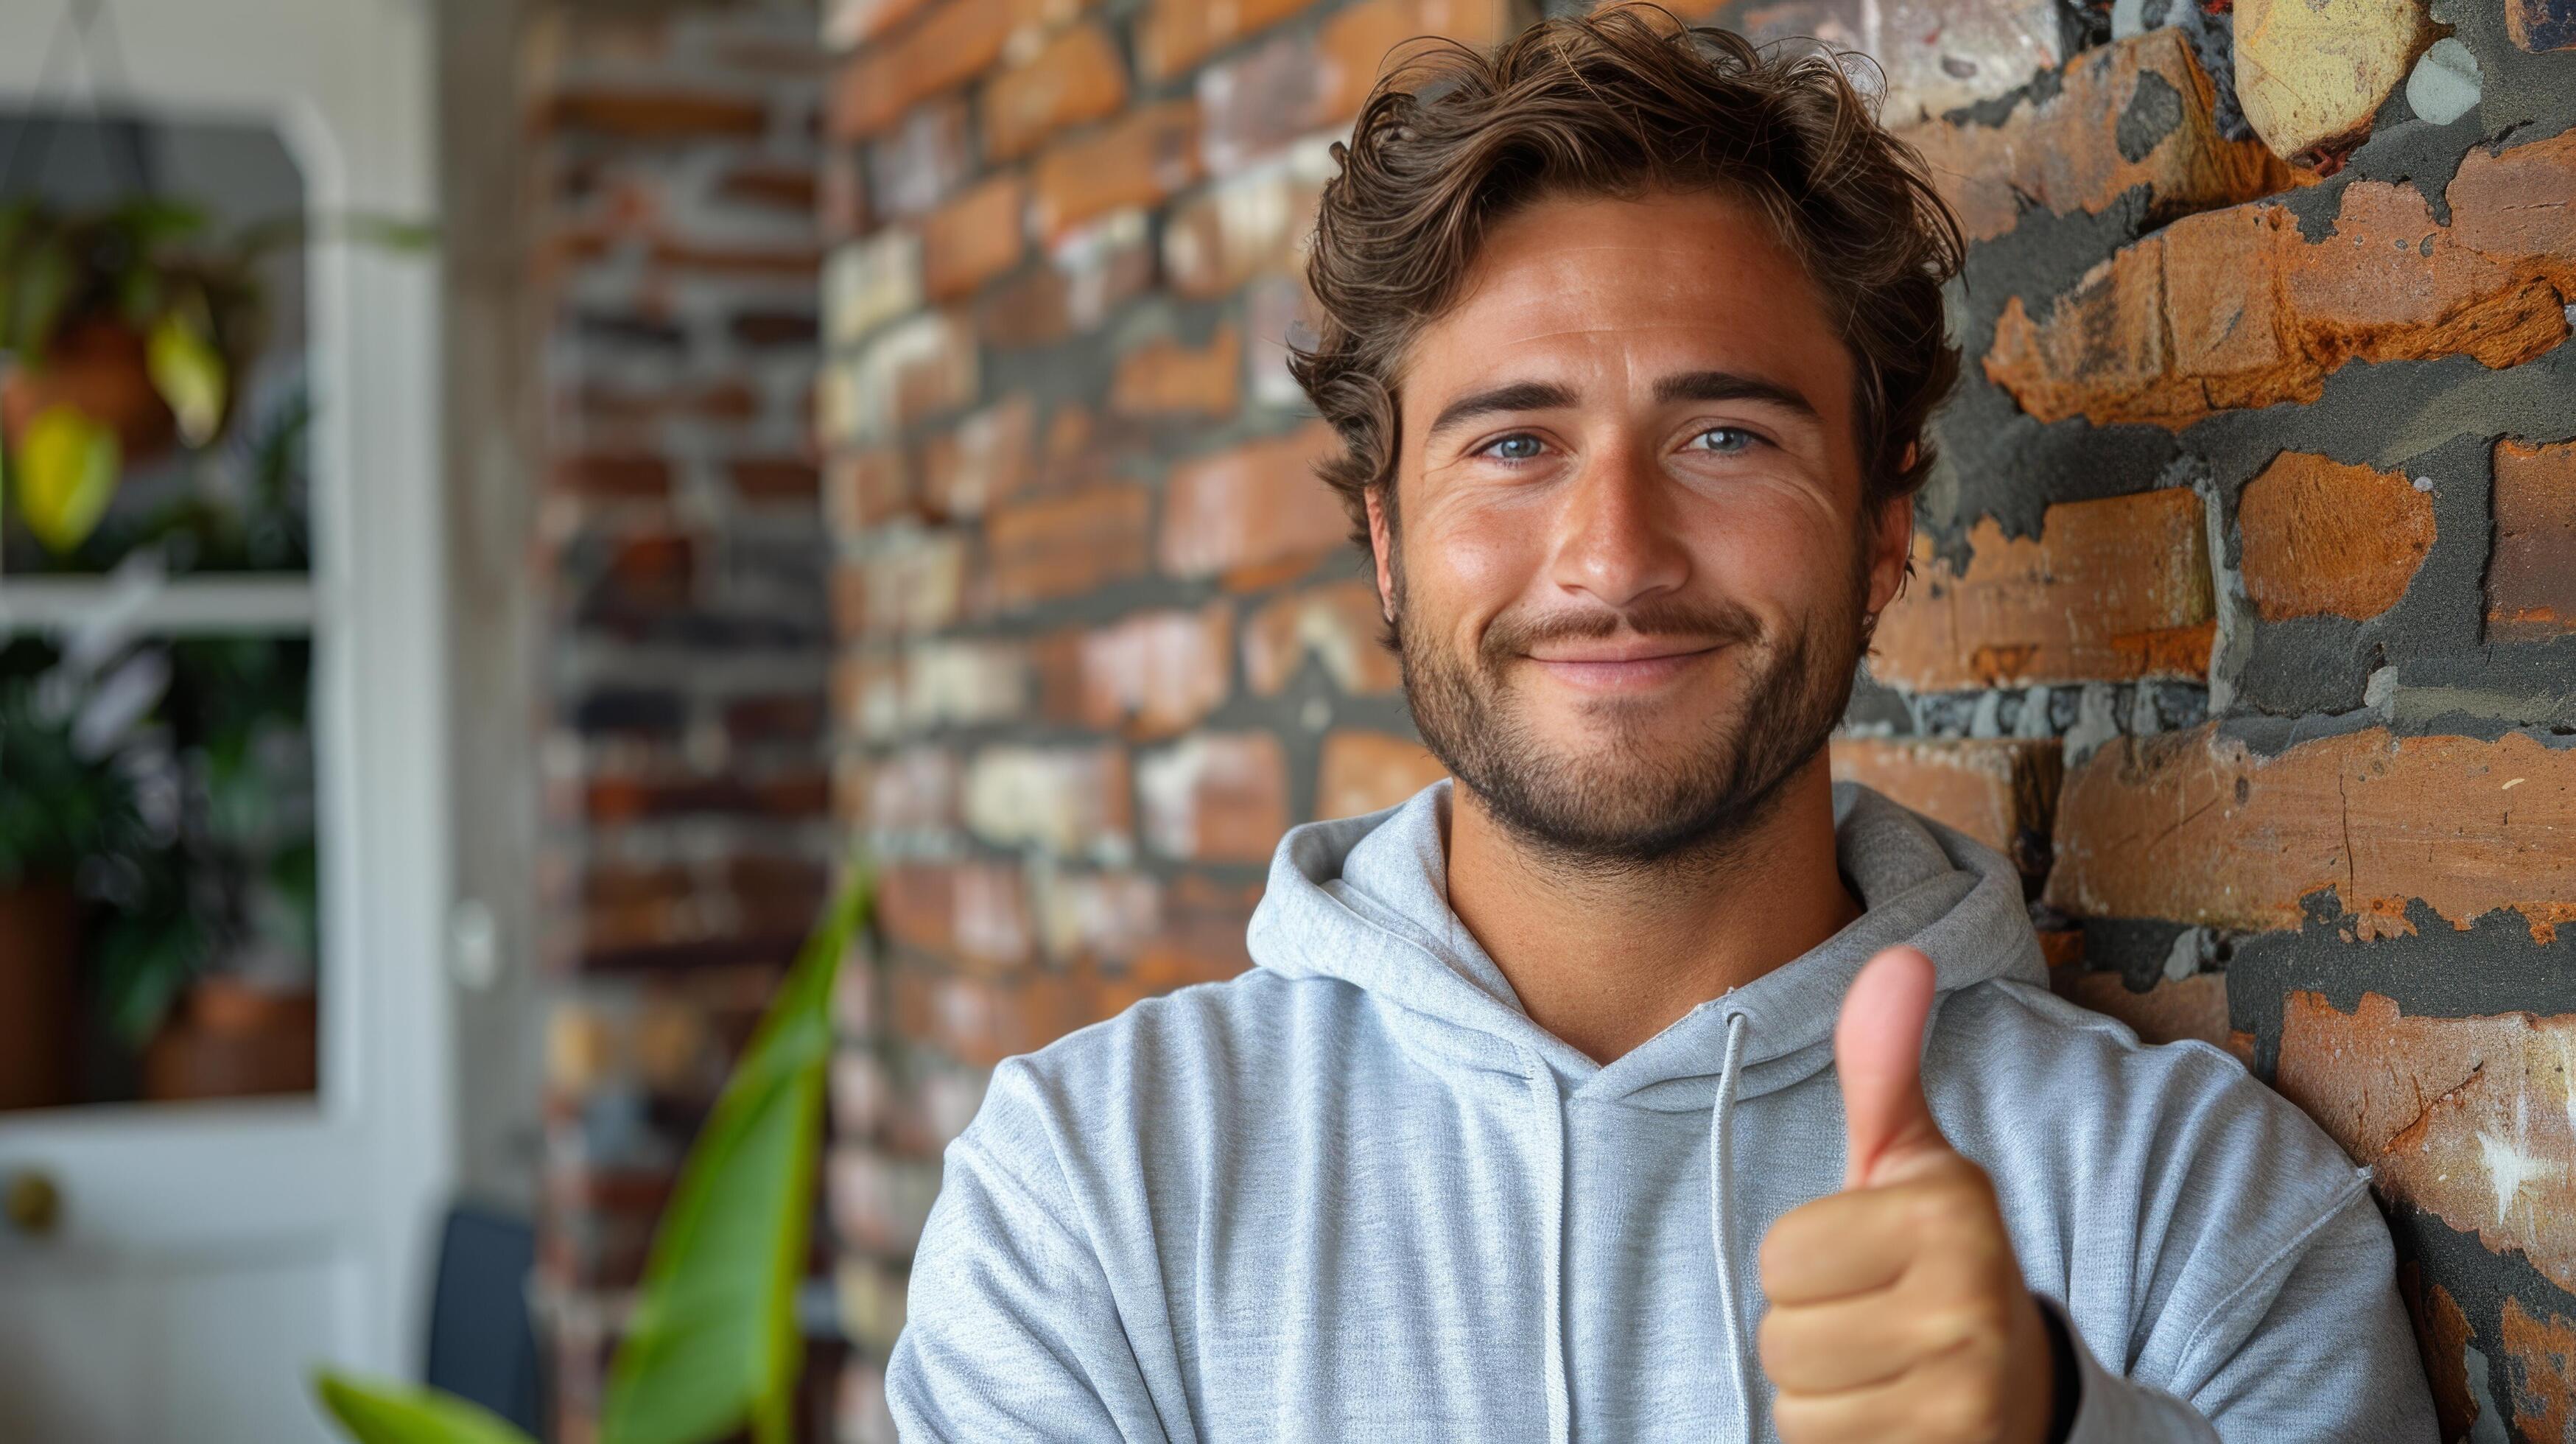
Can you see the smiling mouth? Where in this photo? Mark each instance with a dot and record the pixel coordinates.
(1625, 670)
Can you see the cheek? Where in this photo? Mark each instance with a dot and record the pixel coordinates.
(1470, 562)
(1765, 539)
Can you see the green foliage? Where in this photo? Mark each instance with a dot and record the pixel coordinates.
(56, 806)
(379, 1412)
(714, 1345)
(713, 1348)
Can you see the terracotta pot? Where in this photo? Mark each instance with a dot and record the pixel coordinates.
(39, 995)
(232, 1039)
(98, 368)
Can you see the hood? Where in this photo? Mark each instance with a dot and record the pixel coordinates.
(1365, 899)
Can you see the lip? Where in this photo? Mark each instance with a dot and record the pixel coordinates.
(1623, 669)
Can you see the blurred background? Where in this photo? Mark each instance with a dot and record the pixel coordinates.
(500, 498)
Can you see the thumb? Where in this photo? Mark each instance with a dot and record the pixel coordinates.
(1878, 1052)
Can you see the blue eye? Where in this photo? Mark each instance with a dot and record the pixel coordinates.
(1732, 439)
(1519, 446)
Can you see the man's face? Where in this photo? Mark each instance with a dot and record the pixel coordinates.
(1627, 565)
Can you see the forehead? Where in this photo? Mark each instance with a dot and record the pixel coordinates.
(1694, 279)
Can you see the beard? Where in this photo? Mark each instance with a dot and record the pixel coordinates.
(1634, 799)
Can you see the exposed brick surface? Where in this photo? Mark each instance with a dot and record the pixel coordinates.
(973, 238)
(1136, 161)
(2440, 1110)
(2174, 1009)
(1151, 673)
(1999, 791)
(1336, 623)
(1072, 800)
(2442, 1333)
(2538, 25)
(1259, 503)
(1163, 377)
(2137, 112)
(1077, 77)
(2236, 308)
(2196, 827)
(1359, 41)
(1176, 33)
(2540, 1362)
(1059, 546)
(2111, 590)
(1364, 771)
(951, 42)
(2322, 537)
(2531, 579)
(1215, 797)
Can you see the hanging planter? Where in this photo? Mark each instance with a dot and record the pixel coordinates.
(122, 332)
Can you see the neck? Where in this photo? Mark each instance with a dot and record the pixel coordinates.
(1607, 959)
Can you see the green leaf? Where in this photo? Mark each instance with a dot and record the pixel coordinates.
(43, 274)
(376, 1412)
(189, 373)
(67, 468)
(713, 1347)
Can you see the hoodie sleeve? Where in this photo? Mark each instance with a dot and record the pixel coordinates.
(1010, 1330)
(2313, 1345)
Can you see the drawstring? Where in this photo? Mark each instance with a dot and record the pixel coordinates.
(1721, 1190)
(1560, 1398)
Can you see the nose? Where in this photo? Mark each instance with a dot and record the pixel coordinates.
(1617, 537)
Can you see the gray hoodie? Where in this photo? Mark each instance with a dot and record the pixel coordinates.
(1356, 1194)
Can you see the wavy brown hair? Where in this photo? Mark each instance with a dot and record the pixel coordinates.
(1615, 104)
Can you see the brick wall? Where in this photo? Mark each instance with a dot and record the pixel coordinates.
(686, 836)
(2241, 619)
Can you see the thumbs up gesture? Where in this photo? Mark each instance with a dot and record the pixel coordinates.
(1897, 1309)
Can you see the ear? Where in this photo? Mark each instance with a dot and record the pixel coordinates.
(1891, 547)
(1381, 550)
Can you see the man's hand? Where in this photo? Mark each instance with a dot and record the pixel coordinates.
(1897, 1309)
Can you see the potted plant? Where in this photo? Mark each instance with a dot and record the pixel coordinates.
(712, 1350)
(126, 326)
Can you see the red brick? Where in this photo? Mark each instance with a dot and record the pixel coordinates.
(1136, 161)
(913, 369)
(926, 158)
(973, 238)
(2540, 1356)
(863, 488)
(1076, 77)
(2064, 153)
(1088, 274)
(1071, 799)
(2324, 538)
(975, 912)
(944, 683)
(1216, 797)
(1084, 918)
(789, 262)
(2464, 1118)
(2112, 590)
(849, 23)
(2000, 791)
(790, 190)
(1338, 623)
(647, 112)
(1255, 104)
(2531, 577)
(1154, 673)
(1164, 377)
(2442, 1335)
(878, 1202)
(987, 457)
(1259, 503)
(608, 800)
(1062, 546)
(2173, 1010)
(914, 790)
(908, 583)
(2194, 827)
(1360, 41)
(2538, 25)
(774, 478)
(1364, 771)
(1175, 34)
(2234, 308)
(775, 717)
(1201, 939)
(634, 476)
(954, 41)
(1244, 226)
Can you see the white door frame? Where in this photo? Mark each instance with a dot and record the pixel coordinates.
(350, 85)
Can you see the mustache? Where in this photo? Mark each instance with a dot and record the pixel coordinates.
(1699, 623)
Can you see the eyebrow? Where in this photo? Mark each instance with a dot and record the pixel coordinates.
(1680, 386)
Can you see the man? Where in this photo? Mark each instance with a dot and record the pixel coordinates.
(1641, 1083)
